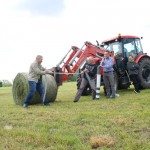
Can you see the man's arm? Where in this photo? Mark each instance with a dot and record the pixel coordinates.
(43, 71)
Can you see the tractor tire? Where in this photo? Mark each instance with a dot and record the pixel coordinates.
(123, 83)
(87, 89)
(144, 73)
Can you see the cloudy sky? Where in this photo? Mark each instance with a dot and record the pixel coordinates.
(51, 27)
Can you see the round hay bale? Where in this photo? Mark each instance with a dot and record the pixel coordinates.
(20, 89)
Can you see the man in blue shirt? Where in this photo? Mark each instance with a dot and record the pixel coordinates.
(108, 76)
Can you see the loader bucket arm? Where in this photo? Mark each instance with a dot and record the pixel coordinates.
(73, 61)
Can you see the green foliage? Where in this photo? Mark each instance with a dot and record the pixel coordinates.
(120, 124)
(5, 83)
(73, 78)
(1, 83)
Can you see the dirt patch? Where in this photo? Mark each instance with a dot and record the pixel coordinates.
(101, 141)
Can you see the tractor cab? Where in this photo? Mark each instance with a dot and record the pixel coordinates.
(124, 46)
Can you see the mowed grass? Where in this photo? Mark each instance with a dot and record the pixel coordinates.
(120, 124)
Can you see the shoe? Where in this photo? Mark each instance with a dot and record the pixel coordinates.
(138, 91)
(25, 106)
(135, 91)
(75, 101)
(117, 95)
(107, 96)
(47, 104)
(112, 96)
(93, 95)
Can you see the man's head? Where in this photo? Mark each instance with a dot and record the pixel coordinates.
(39, 59)
(90, 60)
(131, 58)
(106, 54)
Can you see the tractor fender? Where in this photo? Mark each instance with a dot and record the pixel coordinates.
(139, 57)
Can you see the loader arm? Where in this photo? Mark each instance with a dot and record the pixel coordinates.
(73, 60)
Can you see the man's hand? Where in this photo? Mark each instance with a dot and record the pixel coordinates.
(84, 71)
(48, 72)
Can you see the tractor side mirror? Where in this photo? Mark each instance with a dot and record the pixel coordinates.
(97, 43)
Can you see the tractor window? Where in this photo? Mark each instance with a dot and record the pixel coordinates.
(133, 47)
(129, 46)
(116, 48)
(113, 47)
(138, 46)
(107, 46)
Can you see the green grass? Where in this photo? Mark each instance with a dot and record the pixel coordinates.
(120, 124)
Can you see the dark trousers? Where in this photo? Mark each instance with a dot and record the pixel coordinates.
(84, 82)
(136, 81)
(33, 87)
(109, 83)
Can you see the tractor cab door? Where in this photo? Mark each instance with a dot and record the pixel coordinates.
(117, 47)
(131, 46)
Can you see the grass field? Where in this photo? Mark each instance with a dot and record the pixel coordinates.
(120, 124)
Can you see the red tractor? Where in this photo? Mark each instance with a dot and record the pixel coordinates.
(120, 47)
(123, 47)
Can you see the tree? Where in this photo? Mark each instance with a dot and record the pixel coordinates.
(1, 84)
(73, 78)
(6, 83)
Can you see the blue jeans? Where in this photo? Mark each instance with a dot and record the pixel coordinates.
(33, 87)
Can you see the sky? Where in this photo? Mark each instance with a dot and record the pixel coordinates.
(51, 27)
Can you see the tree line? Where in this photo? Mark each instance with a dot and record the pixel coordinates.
(5, 83)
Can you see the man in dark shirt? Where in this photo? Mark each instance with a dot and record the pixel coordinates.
(88, 73)
(133, 69)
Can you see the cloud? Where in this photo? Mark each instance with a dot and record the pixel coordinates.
(43, 7)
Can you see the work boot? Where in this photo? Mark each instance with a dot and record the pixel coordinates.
(47, 104)
(75, 100)
(112, 96)
(25, 106)
(135, 91)
(93, 95)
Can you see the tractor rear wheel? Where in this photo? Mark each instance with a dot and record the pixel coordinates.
(144, 73)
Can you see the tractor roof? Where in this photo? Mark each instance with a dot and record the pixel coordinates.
(120, 36)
